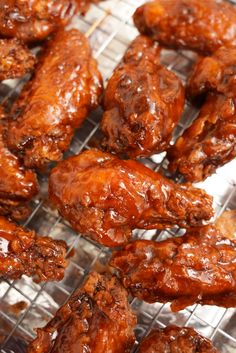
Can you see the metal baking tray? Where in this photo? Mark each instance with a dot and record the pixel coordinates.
(25, 305)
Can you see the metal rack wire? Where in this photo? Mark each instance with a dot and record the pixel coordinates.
(109, 28)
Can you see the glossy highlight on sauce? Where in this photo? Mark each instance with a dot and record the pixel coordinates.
(209, 142)
(215, 73)
(174, 339)
(18, 185)
(105, 198)
(65, 87)
(97, 318)
(199, 267)
(202, 26)
(143, 102)
(34, 20)
(22, 252)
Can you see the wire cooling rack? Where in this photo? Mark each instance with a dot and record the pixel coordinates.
(25, 305)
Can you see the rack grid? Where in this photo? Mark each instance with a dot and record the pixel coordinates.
(108, 25)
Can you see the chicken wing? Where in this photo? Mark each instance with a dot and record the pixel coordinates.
(173, 339)
(198, 267)
(22, 252)
(65, 87)
(35, 19)
(17, 184)
(143, 103)
(97, 318)
(216, 73)
(209, 142)
(198, 25)
(106, 198)
(15, 59)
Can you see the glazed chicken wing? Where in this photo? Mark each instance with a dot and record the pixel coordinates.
(216, 73)
(65, 87)
(105, 198)
(174, 339)
(17, 184)
(15, 59)
(199, 25)
(143, 103)
(209, 142)
(97, 318)
(35, 19)
(198, 267)
(22, 252)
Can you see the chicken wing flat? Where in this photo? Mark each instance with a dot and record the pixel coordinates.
(173, 339)
(65, 87)
(17, 184)
(97, 318)
(198, 267)
(35, 19)
(15, 59)
(22, 252)
(105, 198)
(216, 73)
(143, 102)
(209, 142)
(198, 25)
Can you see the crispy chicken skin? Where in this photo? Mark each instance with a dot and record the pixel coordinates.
(17, 184)
(105, 198)
(198, 267)
(198, 25)
(216, 73)
(143, 102)
(35, 19)
(22, 252)
(97, 318)
(174, 339)
(65, 87)
(15, 59)
(209, 142)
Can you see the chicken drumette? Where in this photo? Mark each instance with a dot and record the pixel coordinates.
(174, 339)
(106, 198)
(15, 59)
(209, 142)
(198, 267)
(97, 318)
(22, 252)
(143, 102)
(17, 184)
(216, 73)
(65, 87)
(35, 19)
(199, 25)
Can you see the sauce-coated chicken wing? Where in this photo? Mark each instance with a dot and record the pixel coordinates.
(65, 87)
(143, 102)
(216, 73)
(15, 59)
(198, 25)
(22, 252)
(209, 142)
(174, 339)
(105, 198)
(96, 319)
(198, 267)
(35, 19)
(17, 184)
